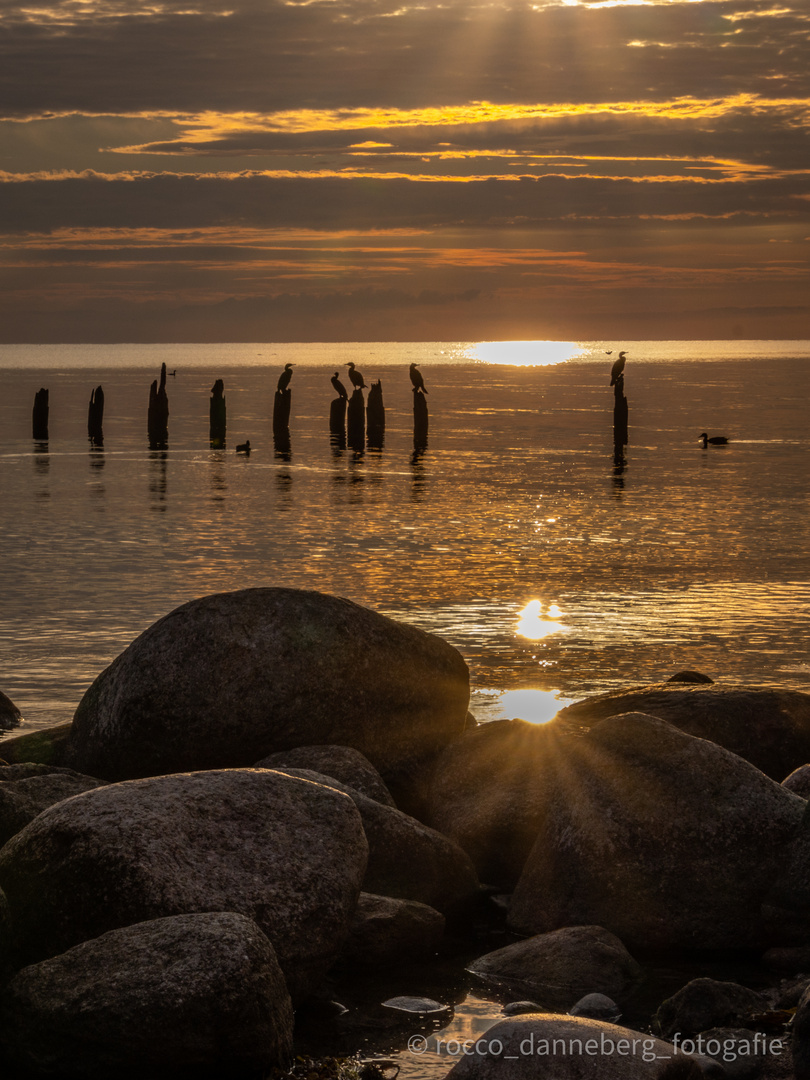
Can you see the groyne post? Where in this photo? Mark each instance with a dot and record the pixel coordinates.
(95, 417)
(217, 420)
(375, 416)
(619, 421)
(40, 415)
(420, 419)
(158, 415)
(357, 420)
(281, 412)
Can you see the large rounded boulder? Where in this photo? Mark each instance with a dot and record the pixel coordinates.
(768, 727)
(286, 852)
(229, 679)
(187, 996)
(666, 840)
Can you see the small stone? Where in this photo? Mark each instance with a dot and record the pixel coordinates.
(418, 1005)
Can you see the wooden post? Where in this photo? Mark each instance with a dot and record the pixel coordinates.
(95, 417)
(357, 420)
(158, 416)
(337, 416)
(40, 417)
(619, 421)
(420, 420)
(217, 416)
(375, 415)
(281, 412)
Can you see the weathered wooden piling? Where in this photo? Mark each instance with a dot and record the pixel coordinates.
(375, 416)
(420, 419)
(337, 416)
(217, 421)
(281, 412)
(95, 417)
(40, 415)
(357, 420)
(619, 421)
(158, 417)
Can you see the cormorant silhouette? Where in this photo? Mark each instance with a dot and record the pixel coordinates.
(243, 448)
(356, 377)
(340, 389)
(284, 377)
(417, 380)
(715, 440)
(617, 369)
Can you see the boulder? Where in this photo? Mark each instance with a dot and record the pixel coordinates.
(800, 1038)
(770, 728)
(597, 1007)
(22, 799)
(666, 840)
(799, 782)
(342, 763)
(406, 859)
(45, 745)
(5, 939)
(187, 996)
(706, 1003)
(10, 715)
(228, 679)
(490, 791)
(743, 1053)
(286, 852)
(557, 969)
(787, 905)
(571, 1048)
(386, 931)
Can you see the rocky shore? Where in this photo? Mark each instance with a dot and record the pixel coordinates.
(273, 793)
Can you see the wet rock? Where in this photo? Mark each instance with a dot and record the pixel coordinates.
(386, 931)
(666, 840)
(520, 1008)
(703, 1004)
(45, 746)
(286, 852)
(490, 793)
(229, 679)
(571, 1048)
(416, 1005)
(22, 799)
(558, 968)
(597, 1007)
(689, 676)
(406, 859)
(769, 728)
(10, 715)
(799, 782)
(342, 763)
(189, 996)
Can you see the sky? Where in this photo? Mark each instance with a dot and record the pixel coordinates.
(366, 170)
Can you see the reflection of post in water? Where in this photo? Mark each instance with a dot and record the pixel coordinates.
(158, 479)
(95, 417)
(418, 475)
(42, 468)
(218, 483)
(158, 417)
(283, 445)
(40, 416)
(375, 414)
(619, 412)
(357, 421)
(217, 421)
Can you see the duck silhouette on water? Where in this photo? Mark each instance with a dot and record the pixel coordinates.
(715, 440)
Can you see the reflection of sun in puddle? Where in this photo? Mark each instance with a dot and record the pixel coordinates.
(534, 625)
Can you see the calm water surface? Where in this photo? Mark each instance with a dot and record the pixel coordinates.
(512, 535)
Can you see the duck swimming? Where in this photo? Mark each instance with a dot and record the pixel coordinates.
(715, 440)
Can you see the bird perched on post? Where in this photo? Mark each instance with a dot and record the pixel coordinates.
(417, 380)
(340, 389)
(284, 377)
(357, 379)
(617, 369)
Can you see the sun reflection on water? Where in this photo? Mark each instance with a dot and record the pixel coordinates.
(526, 353)
(534, 625)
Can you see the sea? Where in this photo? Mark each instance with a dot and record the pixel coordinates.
(514, 533)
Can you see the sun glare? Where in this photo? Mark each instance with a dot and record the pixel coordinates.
(526, 353)
(533, 706)
(535, 626)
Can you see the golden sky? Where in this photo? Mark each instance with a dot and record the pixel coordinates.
(371, 170)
